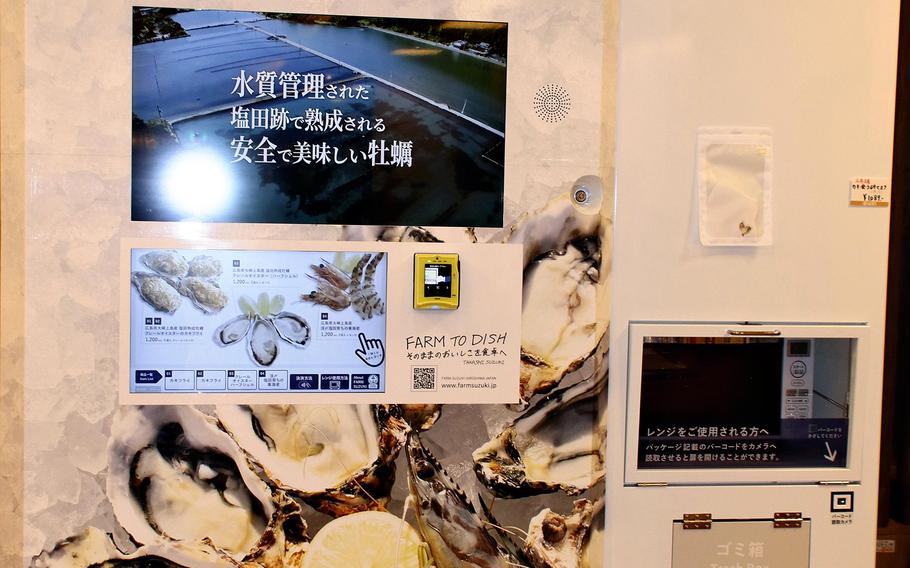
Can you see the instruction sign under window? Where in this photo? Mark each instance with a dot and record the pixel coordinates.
(738, 402)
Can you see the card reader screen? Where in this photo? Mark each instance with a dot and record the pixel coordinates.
(437, 280)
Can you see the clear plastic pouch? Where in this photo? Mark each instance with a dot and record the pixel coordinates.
(734, 186)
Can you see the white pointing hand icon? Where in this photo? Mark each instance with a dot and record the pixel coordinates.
(371, 351)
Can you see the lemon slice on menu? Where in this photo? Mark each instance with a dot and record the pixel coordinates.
(346, 261)
(370, 539)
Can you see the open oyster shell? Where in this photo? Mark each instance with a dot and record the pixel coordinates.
(337, 458)
(263, 344)
(550, 228)
(558, 316)
(421, 417)
(556, 541)
(563, 286)
(174, 476)
(292, 328)
(556, 445)
(94, 548)
(233, 330)
(282, 545)
(285, 540)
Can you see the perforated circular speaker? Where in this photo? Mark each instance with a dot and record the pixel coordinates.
(552, 102)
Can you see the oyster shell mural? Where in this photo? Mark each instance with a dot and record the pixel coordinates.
(456, 534)
(555, 445)
(557, 541)
(181, 488)
(564, 284)
(249, 485)
(339, 458)
(173, 475)
(94, 548)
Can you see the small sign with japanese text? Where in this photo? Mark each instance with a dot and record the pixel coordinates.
(870, 192)
(741, 544)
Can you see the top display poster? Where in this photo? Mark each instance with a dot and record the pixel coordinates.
(258, 117)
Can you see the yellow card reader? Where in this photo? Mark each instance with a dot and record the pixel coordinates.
(436, 281)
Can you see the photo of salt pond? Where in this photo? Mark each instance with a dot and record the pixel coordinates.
(292, 118)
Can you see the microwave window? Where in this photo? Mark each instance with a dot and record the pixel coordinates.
(744, 402)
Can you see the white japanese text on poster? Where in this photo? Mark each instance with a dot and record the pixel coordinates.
(305, 118)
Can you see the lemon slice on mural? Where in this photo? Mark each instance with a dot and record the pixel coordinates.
(370, 539)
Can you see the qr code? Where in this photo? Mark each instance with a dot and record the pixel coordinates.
(423, 378)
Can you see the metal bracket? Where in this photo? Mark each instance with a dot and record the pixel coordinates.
(697, 521)
(788, 520)
(754, 333)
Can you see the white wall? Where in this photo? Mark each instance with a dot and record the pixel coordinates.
(822, 75)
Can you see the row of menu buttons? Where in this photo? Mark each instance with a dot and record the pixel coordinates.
(259, 380)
